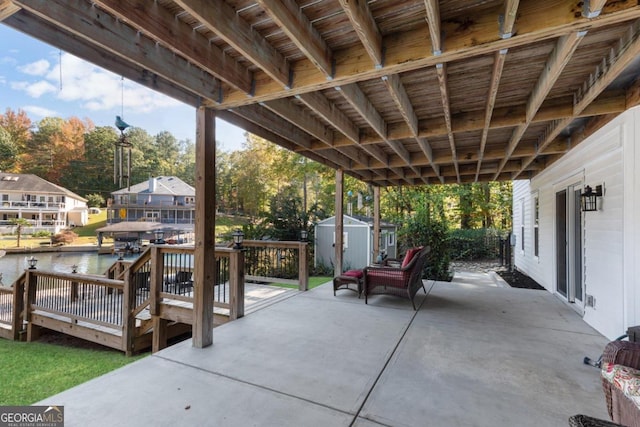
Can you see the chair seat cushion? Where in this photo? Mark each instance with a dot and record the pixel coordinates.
(625, 379)
(354, 273)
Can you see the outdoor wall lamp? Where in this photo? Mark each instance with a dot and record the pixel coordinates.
(120, 255)
(304, 235)
(32, 262)
(590, 198)
(74, 268)
(159, 237)
(238, 236)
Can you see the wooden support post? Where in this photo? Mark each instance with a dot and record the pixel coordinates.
(204, 274)
(128, 319)
(236, 285)
(159, 339)
(339, 221)
(32, 330)
(159, 334)
(18, 309)
(303, 266)
(156, 279)
(376, 222)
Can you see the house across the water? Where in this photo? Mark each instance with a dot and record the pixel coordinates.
(160, 210)
(45, 205)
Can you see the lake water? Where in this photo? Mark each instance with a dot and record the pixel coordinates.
(12, 265)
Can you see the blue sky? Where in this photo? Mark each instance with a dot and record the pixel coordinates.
(32, 79)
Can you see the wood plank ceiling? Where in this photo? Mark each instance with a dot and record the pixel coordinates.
(393, 92)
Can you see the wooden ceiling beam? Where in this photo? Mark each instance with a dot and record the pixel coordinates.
(405, 51)
(508, 20)
(159, 24)
(276, 125)
(293, 22)
(496, 75)
(611, 67)
(592, 8)
(502, 118)
(433, 21)
(221, 19)
(38, 28)
(89, 23)
(441, 70)
(273, 123)
(399, 95)
(7, 8)
(329, 112)
(365, 27)
(556, 62)
(359, 101)
(293, 114)
(314, 127)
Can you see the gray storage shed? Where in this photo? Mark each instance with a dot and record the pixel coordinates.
(357, 241)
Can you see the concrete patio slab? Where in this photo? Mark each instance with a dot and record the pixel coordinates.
(472, 355)
(479, 366)
(318, 350)
(158, 392)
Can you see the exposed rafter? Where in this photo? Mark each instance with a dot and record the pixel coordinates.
(558, 59)
(441, 70)
(405, 51)
(427, 92)
(152, 20)
(433, 20)
(83, 20)
(605, 73)
(290, 18)
(328, 111)
(221, 19)
(400, 97)
(496, 75)
(7, 8)
(592, 8)
(365, 26)
(508, 20)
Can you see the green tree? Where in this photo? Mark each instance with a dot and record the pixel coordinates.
(8, 152)
(95, 200)
(93, 173)
(19, 224)
(19, 126)
(286, 216)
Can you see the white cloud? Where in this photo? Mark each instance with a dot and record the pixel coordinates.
(34, 90)
(39, 111)
(100, 90)
(8, 60)
(37, 68)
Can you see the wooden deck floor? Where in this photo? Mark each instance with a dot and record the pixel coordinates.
(257, 296)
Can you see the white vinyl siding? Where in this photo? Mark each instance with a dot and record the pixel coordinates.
(611, 235)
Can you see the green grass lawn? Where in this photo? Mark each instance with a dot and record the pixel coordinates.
(314, 281)
(33, 371)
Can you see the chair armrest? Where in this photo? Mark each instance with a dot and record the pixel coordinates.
(625, 353)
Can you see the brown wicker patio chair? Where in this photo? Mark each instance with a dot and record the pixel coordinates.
(403, 281)
(621, 409)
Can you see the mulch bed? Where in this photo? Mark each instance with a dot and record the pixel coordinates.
(515, 279)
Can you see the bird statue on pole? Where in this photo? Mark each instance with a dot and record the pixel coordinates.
(121, 124)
